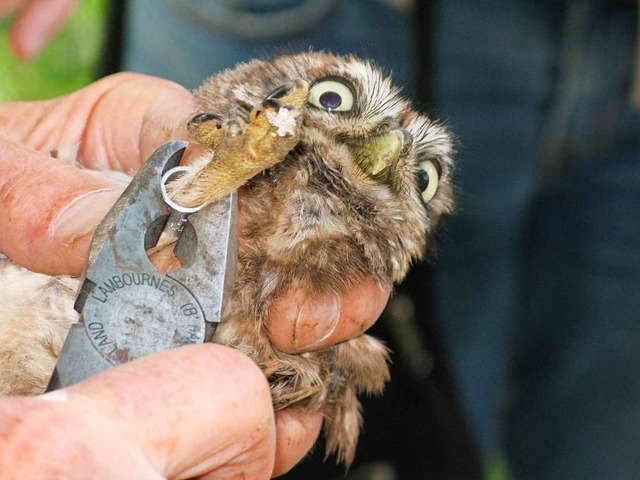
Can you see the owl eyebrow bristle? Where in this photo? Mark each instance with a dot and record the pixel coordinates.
(384, 106)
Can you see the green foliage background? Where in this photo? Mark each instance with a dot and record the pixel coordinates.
(67, 63)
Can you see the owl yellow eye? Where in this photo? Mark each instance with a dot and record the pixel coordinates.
(332, 95)
(428, 180)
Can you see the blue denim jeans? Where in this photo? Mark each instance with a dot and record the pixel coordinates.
(539, 281)
(538, 277)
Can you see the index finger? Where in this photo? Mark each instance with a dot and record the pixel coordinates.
(117, 122)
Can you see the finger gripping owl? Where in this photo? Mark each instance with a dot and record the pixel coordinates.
(342, 181)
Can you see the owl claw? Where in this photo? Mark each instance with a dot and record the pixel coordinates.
(275, 103)
(282, 90)
(205, 128)
(234, 126)
(205, 117)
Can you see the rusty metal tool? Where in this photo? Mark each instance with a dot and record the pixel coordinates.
(127, 308)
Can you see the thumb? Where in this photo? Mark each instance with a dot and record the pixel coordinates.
(202, 411)
(195, 410)
(49, 210)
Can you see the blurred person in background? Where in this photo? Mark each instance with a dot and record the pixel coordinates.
(536, 285)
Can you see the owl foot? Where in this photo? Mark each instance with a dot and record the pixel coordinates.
(271, 124)
(241, 148)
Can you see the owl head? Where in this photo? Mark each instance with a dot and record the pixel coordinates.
(363, 188)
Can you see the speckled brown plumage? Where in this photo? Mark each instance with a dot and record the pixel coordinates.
(318, 221)
(345, 203)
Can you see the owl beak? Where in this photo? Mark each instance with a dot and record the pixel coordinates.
(378, 153)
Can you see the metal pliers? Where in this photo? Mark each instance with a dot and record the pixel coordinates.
(127, 309)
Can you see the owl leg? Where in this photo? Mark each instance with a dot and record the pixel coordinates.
(361, 366)
(328, 381)
(241, 149)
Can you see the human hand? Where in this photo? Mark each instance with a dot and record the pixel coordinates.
(202, 411)
(35, 23)
(53, 208)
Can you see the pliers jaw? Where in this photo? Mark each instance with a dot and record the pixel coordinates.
(127, 308)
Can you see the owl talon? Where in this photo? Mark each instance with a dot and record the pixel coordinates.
(279, 113)
(205, 128)
(290, 95)
(205, 117)
(282, 90)
(275, 103)
(234, 126)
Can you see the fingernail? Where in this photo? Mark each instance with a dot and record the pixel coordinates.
(316, 320)
(82, 215)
